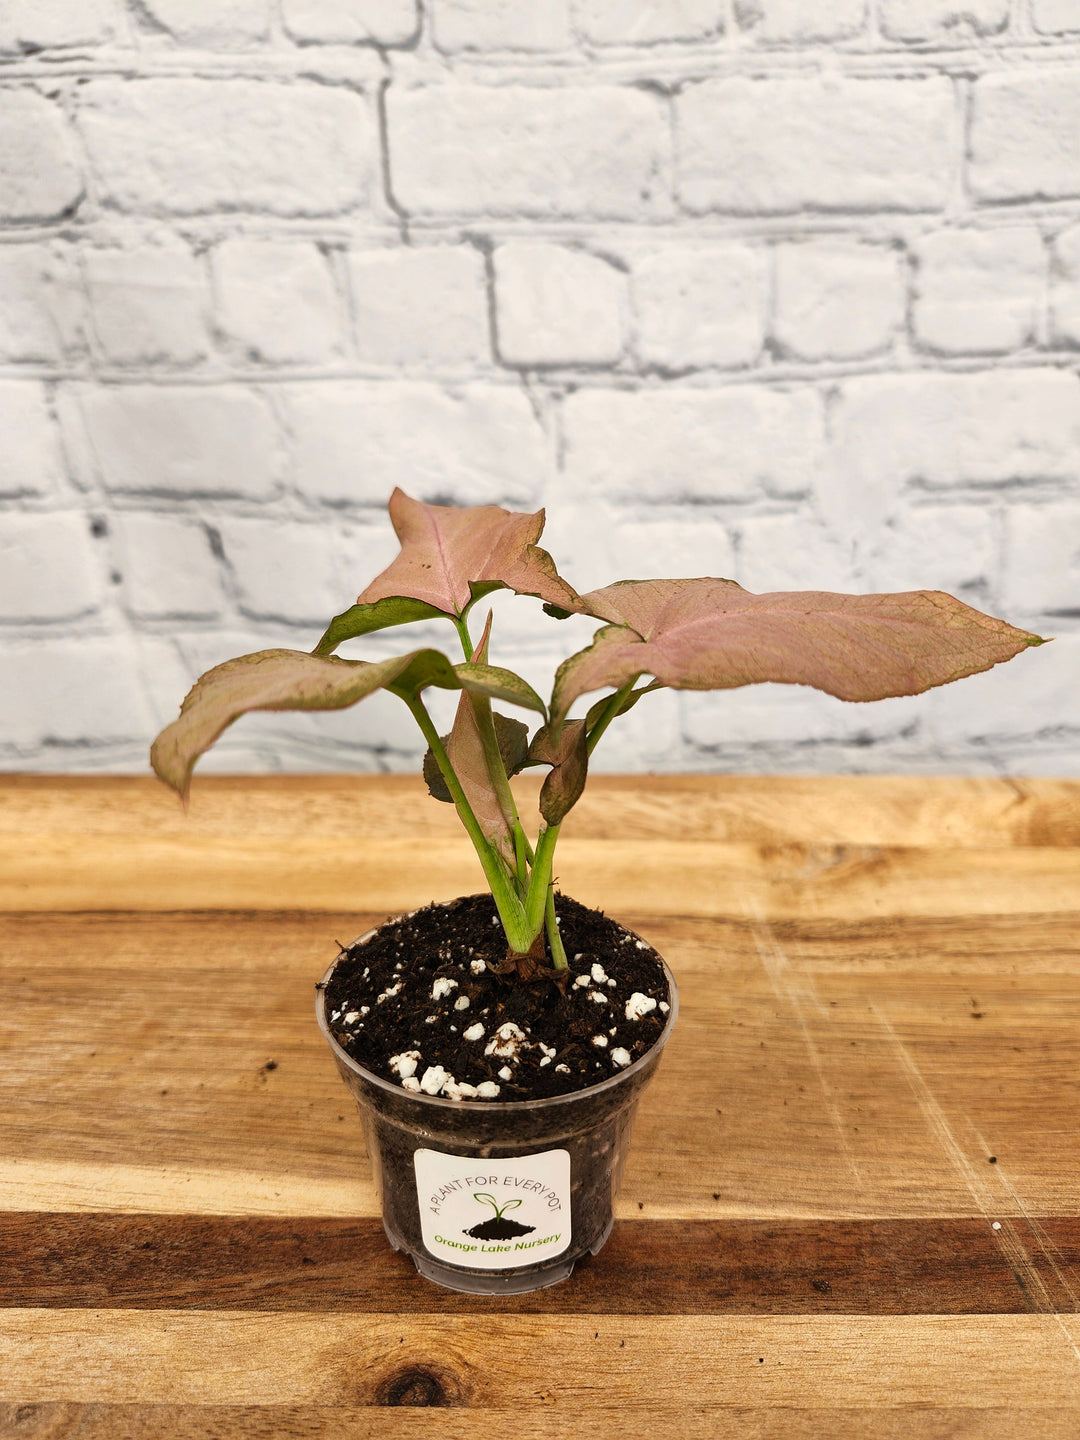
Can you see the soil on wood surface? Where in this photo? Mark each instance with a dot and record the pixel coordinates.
(420, 1005)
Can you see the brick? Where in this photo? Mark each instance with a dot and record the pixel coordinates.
(596, 542)
(647, 22)
(48, 569)
(30, 25)
(421, 305)
(39, 170)
(277, 301)
(1033, 694)
(782, 144)
(942, 430)
(54, 692)
(979, 292)
(837, 299)
(691, 445)
(188, 147)
(211, 24)
(792, 552)
(932, 547)
(30, 460)
(40, 307)
(300, 572)
(557, 306)
(1042, 559)
(344, 22)
(1055, 17)
(699, 305)
(1065, 288)
(759, 716)
(473, 445)
(791, 20)
(179, 440)
(1025, 135)
(149, 304)
(459, 25)
(169, 569)
(514, 150)
(931, 20)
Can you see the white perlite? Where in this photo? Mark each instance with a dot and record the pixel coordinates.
(598, 974)
(596, 995)
(405, 1064)
(461, 1003)
(639, 1005)
(388, 994)
(600, 1041)
(477, 966)
(474, 1032)
(506, 1073)
(487, 1090)
(620, 1056)
(507, 1041)
(443, 987)
(433, 1079)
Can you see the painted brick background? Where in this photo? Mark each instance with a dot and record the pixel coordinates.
(784, 290)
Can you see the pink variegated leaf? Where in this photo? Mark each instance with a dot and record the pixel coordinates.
(282, 680)
(712, 634)
(451, 555)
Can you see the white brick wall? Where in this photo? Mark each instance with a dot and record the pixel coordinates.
(779, 291)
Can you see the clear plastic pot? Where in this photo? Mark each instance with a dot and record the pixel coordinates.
(536, 1178)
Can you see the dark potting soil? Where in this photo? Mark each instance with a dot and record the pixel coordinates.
(407, 1003)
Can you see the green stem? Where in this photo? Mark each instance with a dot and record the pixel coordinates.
(464, 636)
(485, 724)
(520, 930)
(558, 953)
(613, 707)
(540, 880)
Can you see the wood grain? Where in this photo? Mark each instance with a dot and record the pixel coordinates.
(850, 1207)
(506, 1361)
(683, 1267)
(410, 1419)
(852, 847)
(817, 1069)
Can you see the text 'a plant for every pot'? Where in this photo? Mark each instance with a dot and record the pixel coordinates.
(497, 1045)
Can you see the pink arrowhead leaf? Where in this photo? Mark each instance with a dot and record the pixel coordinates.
(713, 635)
(282, 680)
(450, 555)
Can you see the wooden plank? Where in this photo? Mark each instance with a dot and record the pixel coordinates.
(817, 1070)
(544, 1421)
(895, 1267)
(523, 1362)
(982, 812)
(61, 871)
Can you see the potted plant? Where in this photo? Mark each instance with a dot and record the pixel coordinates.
(497, 1044)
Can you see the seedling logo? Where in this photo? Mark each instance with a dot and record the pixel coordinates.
(497, 1228)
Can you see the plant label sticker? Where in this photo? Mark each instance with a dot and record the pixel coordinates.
(494, 1214)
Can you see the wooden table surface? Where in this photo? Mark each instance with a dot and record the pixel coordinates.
(852, 1206)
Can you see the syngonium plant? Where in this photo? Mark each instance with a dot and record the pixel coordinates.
(705, 634)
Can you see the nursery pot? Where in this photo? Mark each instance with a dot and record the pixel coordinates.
(497, 1198)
